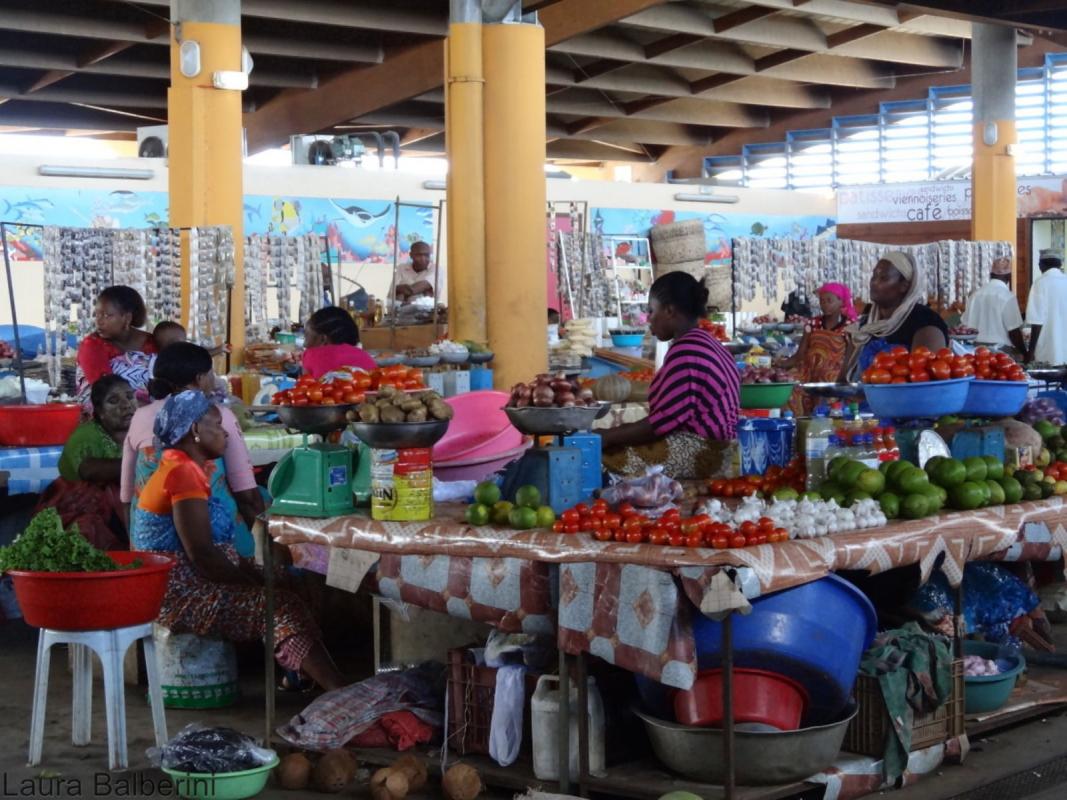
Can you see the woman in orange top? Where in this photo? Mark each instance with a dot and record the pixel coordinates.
(211, 590)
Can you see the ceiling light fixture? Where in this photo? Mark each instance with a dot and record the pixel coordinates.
(108, 173)
(690, 197)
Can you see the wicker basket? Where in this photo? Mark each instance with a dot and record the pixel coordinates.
(471, 693)
(695, 268)
(719, 288)
(866, 734)
(677, 230)
(681, 248)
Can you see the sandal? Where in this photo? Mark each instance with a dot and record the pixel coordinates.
(294, 681)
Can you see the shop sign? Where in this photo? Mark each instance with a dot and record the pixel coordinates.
(938, 201)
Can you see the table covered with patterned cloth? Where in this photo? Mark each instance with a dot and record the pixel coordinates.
(30, 469)
(631, 604)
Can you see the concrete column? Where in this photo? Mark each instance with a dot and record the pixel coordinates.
(465, 194)
(994, 67)
(514, 69)
(205, 138)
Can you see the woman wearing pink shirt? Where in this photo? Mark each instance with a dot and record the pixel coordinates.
(331, 341)
(179, 367)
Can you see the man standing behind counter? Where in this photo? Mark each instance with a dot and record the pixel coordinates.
(415, 278)
(1046, 311)
(994, 312)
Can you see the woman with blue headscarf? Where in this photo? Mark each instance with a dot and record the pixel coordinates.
(212, 592)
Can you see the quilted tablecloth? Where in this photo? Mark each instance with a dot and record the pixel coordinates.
(30, 469)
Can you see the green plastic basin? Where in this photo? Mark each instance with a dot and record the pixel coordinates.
(989, 692)
(222, 785)
(765, 395)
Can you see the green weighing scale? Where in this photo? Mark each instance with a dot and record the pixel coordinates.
(315, 479)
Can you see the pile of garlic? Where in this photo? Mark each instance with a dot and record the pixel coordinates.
(804, 519)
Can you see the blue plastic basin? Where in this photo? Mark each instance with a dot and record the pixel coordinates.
(815, 633)
(995, 398)
(627, 339)
(989, 692)
(917, 400)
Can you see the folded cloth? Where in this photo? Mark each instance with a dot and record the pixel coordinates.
(400, 730)
(914, 671)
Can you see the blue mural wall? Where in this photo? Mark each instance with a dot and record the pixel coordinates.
(359, 230)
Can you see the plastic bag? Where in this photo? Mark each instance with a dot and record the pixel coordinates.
(505, 728)
(992, 599)
(653, 490)
(210, 751)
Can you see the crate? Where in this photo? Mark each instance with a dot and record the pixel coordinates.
(471, 692)
(866, 734)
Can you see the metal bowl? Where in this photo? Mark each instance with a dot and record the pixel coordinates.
(737, 348)
(388, 359)
(422, 361)
(760, 757)
(833, 389)
(547, 421)
(399, 435)
(314, 419)
(455, 356)
(480, 358)
(1047, 374)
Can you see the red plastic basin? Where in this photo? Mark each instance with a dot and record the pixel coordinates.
(93, 601)
(759, 697)
(38, 426)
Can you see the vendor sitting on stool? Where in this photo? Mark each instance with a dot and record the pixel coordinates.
(211, 591)
(87, 489)
(694, 398)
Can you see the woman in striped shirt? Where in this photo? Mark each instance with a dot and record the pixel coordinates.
(694, 398)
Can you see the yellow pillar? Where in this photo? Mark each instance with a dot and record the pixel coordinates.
(516, 290)
(994, 67)
(465, 206)
(205, 140)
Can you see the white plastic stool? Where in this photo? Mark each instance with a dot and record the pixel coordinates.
(110, 646)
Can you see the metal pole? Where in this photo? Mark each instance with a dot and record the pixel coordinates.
(728, 704)
(437, 264)
(583, 728)
(14, 315)
(563, 722)
(268, 632)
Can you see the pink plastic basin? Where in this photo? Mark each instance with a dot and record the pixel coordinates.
(476, 469)
(479, 429)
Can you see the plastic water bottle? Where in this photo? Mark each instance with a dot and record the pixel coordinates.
(867, 454)
(816, 442)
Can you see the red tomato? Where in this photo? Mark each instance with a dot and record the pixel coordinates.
(672, 513)
(600, 503)
(582, 509)
(944, 354)
(898, 350)
(659, 536)
(782, 534)
(688, 527)
(748, 527)
(635, 537)
(558, 526)
(694, 540)
(602, 535)
(570, 516)
(917, 361)
(765, 523)
(922, 376)
(940, 370)
(618, 534)
(883, 360)
(306, 380)
(761, 538)
(720, 542)
(301, 400)
(612, 520)
(570, 527)
(676, 540)
(737, 540)
(625, 509)
(965, 371)
(632, 523)
(879, 376)
(592, 524)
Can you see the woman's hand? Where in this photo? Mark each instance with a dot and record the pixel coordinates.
(192, 519)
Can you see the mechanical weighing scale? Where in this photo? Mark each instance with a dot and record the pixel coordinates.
(314, 480)
(566, 472)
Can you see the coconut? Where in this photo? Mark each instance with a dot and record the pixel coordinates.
(334, 771)
(294, 771)
(462, 782)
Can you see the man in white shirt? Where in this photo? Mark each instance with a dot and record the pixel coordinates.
(414, 279)
(1046, 311)
(994, 312)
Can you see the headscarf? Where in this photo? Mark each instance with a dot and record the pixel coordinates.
(848, 311)
(179, 413)
(879, 324)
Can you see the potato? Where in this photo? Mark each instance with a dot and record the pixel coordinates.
(392, 415)
(439, 409)
(415, 770)
(369, 413)
(388, 391)
(462, 782)
(418, 415)
(294, 771)
(411, 404)
(334, 771)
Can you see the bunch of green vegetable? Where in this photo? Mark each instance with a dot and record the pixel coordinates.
(46, 547)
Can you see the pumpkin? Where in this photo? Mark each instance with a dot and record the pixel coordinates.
(613, 389)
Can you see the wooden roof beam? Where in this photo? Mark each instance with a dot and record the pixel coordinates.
(407, 74)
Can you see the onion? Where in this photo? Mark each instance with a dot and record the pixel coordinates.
(565, 399)
(586, 395)
(543, 396)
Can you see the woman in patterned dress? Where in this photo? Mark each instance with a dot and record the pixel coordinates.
(211, 591)
(118, 345)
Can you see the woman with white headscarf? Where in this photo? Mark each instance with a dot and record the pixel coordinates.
(897, 315)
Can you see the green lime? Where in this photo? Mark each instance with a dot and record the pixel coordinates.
(1013, 490)
(835, 464)
(1032, 491)
(1045, 429)
(967, 496)
(987, 495)
(914, 506)
(528, 497)
(948, 473)
(994, 468)
(976, 468)
(832, 489)
(522, 518)
(854, 496)
(477, 514)
(884, 467)
(1047, 489)
(785, 493)
(871, 481)
(912, 481)
(1025, 476)
(486, 493)
(896, 468)
(931, 464)
(498, 515)
(890, 504)
(813, 496)
(545, 517)
(935, 499)
(850, 473)
(996, 493)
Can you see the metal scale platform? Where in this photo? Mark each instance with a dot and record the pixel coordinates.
(315, 479)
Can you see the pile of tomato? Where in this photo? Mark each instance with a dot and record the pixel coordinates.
(641, 375)
(716, 329)
(626, 524)
(776, 477)
(990, 366)
(898, 365)
(341, 390)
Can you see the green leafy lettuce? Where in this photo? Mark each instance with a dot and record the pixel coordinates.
(46, 547)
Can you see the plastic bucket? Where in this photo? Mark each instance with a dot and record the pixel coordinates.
(93, 601)
(918, 400)
(995, 398)
(38, 425)
(760, 697)
(221, 785)
(986, 693)
(765, 395)
(815, 634)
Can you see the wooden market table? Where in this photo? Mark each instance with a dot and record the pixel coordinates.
(506, 577)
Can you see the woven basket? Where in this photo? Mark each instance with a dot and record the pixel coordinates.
(718, 283)
(679, 242)
(676, 230)
(695, 268)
